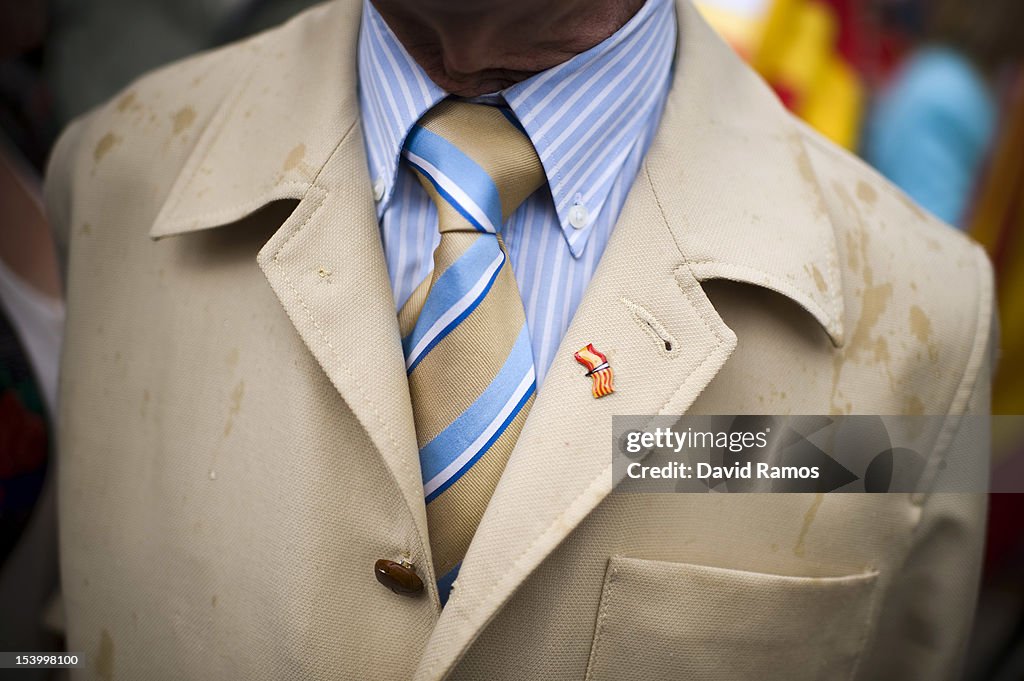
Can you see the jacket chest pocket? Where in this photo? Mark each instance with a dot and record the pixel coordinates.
(659, 620)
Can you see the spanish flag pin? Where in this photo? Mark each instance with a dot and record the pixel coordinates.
(597, 368)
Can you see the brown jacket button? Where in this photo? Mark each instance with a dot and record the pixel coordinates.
(401, 577)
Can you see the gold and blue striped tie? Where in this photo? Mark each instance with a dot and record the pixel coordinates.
(467, 348)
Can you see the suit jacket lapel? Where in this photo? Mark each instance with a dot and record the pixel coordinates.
(326, 265)
(290, 131)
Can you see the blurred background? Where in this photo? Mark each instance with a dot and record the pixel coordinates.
(929, 92)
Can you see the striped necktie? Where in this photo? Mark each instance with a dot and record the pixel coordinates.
(467, 348)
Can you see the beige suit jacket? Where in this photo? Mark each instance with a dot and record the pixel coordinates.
(238, 445)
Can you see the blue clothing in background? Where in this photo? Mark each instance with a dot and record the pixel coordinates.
(931, 129)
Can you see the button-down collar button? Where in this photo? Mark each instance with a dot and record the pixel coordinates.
(378, 189)
(400, 577)
(579, 216)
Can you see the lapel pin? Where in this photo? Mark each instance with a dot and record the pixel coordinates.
(597, 368)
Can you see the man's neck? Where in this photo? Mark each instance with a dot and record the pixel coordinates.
(474, 47)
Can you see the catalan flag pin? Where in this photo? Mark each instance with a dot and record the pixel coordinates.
(597, 368)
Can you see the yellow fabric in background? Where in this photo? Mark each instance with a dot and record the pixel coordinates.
(792, 46)
(998, 224)
(834, 106)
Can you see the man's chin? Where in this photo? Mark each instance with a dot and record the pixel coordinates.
(477, 87)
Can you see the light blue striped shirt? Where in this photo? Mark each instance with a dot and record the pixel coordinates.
(591, 120)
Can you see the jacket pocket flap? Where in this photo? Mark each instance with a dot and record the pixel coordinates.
(661, 620)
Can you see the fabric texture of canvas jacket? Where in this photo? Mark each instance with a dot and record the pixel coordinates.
(237, 445)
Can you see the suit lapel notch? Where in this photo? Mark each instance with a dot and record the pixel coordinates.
(270, 136)
(735, 175)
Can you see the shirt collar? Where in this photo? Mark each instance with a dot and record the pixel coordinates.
(584, 116)
(773, 225)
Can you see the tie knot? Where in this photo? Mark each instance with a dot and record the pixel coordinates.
(475, 162)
